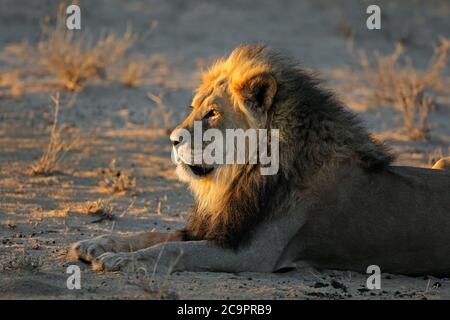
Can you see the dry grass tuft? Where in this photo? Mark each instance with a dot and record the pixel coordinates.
(11, 83)
(160, 112)
(102, 208)
(407, 89)
(138, 70)
(132, 75)
(56, 150)
(117, 181)
(157, 285)
(75, 60)
(70, 58)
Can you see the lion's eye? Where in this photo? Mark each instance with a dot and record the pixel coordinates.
(211, 113)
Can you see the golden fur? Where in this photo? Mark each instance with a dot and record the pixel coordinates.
(442, 164)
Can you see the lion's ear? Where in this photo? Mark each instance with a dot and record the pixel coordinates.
(258, 92)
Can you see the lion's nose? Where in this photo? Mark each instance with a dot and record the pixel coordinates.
(175, 137)
(175, 142)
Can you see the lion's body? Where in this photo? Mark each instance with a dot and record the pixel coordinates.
(336, 202)
(398, 219)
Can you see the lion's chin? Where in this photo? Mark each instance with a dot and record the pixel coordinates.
(188, 173)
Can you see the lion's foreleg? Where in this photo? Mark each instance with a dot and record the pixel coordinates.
(187, 256)
(90, 249)
(261, 254)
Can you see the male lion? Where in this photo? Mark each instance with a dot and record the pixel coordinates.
(336, 202)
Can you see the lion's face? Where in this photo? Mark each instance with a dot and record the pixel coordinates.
(236, 93)
(212, 108)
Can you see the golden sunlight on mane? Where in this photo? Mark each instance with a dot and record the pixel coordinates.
(212, 193)
(242, 65)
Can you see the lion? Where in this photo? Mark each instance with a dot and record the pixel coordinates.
(336, 202)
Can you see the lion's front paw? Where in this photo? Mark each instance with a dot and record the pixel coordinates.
(123, 261)
(148, 260)
(88, 250)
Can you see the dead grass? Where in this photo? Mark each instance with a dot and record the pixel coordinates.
(103, 208)
(76, 60)
(157, 285)
(132, 75)
(160, 114)
(11, 84)
(402, 86)
(71, 59)
(116, 180)
(138, 70)
(56, 150)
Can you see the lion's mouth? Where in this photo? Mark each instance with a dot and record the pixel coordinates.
(201, 171)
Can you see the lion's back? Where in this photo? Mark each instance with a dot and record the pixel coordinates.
(394, 217)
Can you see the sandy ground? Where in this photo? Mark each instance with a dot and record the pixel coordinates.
(40, 216)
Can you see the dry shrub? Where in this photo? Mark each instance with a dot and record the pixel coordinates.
(71, 58)
(138, 70)
(56, 150)
(410, 91)
(75, 60)
(133, 74)
(115, 180)
(102, 208)
(11, 83)
(160, 113)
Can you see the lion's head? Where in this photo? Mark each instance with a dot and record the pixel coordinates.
(260, 89)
